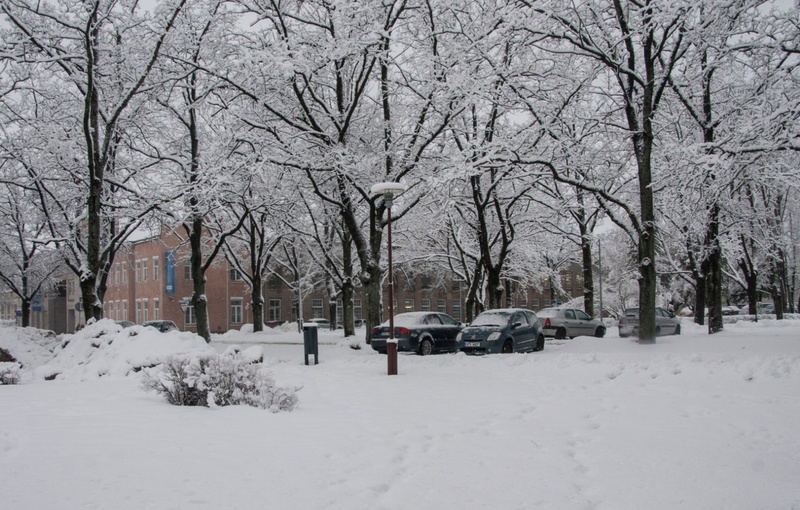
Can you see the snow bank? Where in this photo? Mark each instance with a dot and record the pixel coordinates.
(105, 348)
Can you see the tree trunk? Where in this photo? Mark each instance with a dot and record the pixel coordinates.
(347, 286)
(494, 288)
(714, 272)
(700, 286)
(257, 292)
(588, 273)
(372, 298)
(199, 300)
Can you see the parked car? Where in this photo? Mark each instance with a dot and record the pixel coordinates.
(569, 322)
(162, 326)
(666, 323)
(321, 323)
(503, 330)
(125, 324)
(420, 332)
(730, 310)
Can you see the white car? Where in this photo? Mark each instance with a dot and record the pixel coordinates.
(666, 323)
(569, 322)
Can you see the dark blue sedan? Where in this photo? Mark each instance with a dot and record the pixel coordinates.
(504, 330)
(420, 332)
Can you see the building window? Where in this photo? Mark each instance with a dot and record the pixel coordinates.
(523, 301)
(566, 281)
(124, 309)
(145, 310)
(144, 270)
(535, 304)
(426, 281)
(156, 269)
(138, 311)
(110, 310)
(274, 312)
(457, 309)
(339, 312)
(409, 305)
(546, 303)
(579, 281)
(156, 310)
(116, 273)
(236, 276)
(236, 310)
(124, 269)
(426, 305)
(187, 272)
(546, 283)
(138, 271)
(188, 316)
(316, 308)
(441, 306)
(357, 310)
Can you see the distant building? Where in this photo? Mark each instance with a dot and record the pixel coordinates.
(151, 279)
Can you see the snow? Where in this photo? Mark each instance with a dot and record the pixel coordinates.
(382, 188)
(693, 421)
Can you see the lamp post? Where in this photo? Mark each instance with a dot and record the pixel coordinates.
(389, 190)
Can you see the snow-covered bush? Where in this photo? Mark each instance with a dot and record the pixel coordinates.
(217, 380)
(6, 356)
(9, 372)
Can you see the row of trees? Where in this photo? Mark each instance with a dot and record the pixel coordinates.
(256, 128)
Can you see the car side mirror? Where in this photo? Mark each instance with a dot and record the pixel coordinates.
(516, 325)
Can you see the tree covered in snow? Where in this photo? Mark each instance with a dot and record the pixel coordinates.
(82, 70)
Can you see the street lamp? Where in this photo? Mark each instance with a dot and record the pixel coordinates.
(389, 190)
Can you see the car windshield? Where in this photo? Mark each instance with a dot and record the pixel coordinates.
(491, 319)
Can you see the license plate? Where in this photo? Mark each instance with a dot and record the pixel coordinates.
(472, 344)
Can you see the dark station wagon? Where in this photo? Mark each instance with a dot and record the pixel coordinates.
(420, 332)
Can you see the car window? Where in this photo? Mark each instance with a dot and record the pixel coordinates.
(569, 314)
(520, 317)
(448, 320)
(491, 319)
(660, 312)
(433, 319)
(531, 317)
(582, 315)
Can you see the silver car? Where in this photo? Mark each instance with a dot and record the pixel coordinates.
(666, 323)
(569, 322)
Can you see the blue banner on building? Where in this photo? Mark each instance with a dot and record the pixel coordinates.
(36, 302)
(169, 272)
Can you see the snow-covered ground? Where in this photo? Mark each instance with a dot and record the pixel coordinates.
(692, 422)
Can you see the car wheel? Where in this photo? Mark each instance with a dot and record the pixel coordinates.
(540, 343)
(678, 329)
(508, 347)
(425, 347)
(600, 332)
(561, 334)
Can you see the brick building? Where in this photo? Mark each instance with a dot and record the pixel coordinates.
(150, 280)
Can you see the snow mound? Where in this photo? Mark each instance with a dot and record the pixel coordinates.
(31, 347)
(105, 348)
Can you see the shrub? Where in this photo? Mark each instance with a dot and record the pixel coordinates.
(6, 356)
(217, 380)
(9, 372)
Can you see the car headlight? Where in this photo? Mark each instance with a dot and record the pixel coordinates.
(493, 336)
